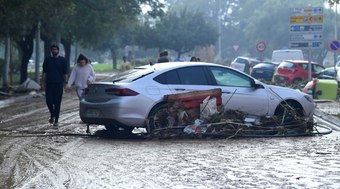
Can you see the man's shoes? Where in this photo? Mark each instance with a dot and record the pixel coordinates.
(51, 120)
(55, 124)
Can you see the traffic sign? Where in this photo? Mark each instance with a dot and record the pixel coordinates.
(304, 28)
(307, 19)
(334, 45)
(307, 10)
(260, 46)
(236, 47)
(306, 36)
(306, 44)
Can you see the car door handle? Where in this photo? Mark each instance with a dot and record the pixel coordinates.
(178, 89)
(226, 92)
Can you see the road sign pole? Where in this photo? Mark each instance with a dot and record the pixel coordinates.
(309, 64)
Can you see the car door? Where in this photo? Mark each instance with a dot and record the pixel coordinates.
(188, 79)
(238, 92)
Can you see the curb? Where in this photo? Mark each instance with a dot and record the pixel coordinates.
(330, 118)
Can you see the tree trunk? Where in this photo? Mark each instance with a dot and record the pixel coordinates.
(67, 48)
(114, 58)
(26, 45)
(5, 83)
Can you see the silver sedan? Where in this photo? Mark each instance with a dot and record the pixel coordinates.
(133, 98)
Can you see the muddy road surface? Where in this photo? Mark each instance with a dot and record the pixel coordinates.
(34, 154)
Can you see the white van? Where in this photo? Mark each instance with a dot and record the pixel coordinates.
(287, 54)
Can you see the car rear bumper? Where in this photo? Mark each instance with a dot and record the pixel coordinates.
(117, 113)
(281, 79)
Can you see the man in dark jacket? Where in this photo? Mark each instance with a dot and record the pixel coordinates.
(53, 80)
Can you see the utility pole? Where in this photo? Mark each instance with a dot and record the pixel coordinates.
(219, 43)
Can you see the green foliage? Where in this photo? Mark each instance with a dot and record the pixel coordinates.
(332, 2)
(181, 32)
(99, 68)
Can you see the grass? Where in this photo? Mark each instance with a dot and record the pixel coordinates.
(99, 68)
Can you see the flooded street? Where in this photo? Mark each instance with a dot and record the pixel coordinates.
(34, 154)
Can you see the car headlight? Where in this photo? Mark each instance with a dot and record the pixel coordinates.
(309, 98)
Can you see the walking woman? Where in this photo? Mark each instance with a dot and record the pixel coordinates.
(82, 74)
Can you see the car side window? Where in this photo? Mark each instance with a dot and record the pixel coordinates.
(317, 68)
(192, 76)
(170, 77)
(304, 66)
(183, 76)
(228, 77)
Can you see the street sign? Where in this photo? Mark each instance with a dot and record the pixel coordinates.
(260, 46)
(307, 10)
(306, 44)
(306, 19)
(236, 47)
(306, 36)
(334, 45)
(305, 28)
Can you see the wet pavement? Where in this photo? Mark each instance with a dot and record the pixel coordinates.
(34, 154)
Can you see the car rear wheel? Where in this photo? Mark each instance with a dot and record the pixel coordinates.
(158, 118)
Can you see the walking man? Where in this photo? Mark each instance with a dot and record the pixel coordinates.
(53, 79)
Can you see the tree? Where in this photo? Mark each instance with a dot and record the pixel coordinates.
(332, 2)
(180, 32)
(262, 25)
(65, 21)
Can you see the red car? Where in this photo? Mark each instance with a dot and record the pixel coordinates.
(295, 71)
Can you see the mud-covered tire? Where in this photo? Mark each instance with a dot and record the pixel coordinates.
(158, 117)
(288, 112)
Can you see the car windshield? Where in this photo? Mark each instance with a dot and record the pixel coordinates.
(241, 60)
(129, 75)
(286, 65)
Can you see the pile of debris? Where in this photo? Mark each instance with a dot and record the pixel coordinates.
(201, 114)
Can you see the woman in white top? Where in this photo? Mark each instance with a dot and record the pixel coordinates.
(82, 74)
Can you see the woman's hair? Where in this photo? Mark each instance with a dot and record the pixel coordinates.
(82, 57)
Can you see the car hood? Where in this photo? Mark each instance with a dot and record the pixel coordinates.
(284, 92)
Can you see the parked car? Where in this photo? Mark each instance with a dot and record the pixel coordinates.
(287, 54)
(134, 98)
(244, 64)
(264, 71)
(327, 73)
(295, 71)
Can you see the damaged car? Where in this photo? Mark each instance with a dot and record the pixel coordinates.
(135, 98)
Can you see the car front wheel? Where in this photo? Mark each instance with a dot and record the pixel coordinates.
(288, 112)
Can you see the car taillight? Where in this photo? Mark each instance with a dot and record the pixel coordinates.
(121, 92)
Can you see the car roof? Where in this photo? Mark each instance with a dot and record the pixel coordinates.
(265, 64)
(166, 65)
(300, 62)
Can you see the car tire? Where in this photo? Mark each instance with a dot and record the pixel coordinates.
(158, 118)
(288, 112)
